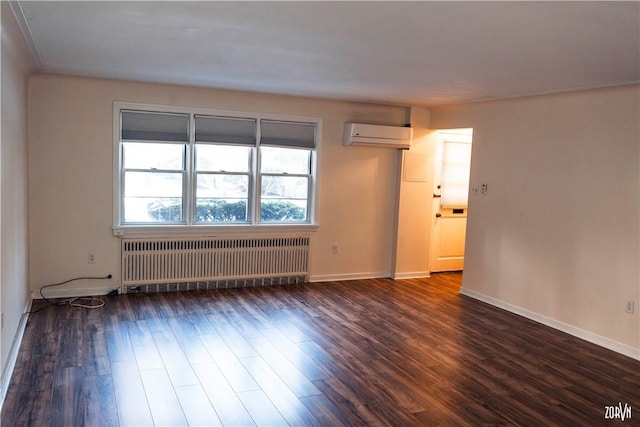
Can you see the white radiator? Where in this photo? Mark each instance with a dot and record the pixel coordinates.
(161, 264)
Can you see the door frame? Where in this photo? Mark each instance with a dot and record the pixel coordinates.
(454, 135)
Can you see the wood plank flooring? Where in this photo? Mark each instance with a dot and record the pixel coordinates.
(352, 353)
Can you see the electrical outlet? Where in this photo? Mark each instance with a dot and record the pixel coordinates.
(334, 249)
(479, 190)
(629, 306)
(91, 258)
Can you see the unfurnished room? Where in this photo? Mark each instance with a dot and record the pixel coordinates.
(346, 213)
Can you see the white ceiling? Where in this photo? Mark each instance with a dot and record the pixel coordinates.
(408, 53)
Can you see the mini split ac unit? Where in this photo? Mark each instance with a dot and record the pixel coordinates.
(377, 135)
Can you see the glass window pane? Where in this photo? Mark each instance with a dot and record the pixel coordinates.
(152, 184)
(152, 197)
(285, 160)
(221, 210)
(284, 187)
(455, 174)
(221, 198)
(283, 210)
(152, 209)
(222, 158)
(152, 156)
(234, 186)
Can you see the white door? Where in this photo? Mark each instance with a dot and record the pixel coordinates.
(450, 200)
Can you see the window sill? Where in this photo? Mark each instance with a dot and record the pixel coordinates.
(220, 230)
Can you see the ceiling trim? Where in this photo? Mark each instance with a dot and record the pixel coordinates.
(576, 89)
(18, 13)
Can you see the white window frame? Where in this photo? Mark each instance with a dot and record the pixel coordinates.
(189, 226)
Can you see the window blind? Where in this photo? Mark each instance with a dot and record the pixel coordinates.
(226, 130)
(149, 126)
(288, 134)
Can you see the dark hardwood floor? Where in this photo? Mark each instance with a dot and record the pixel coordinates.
(366, 352)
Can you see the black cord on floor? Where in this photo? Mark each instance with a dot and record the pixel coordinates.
(76, 301)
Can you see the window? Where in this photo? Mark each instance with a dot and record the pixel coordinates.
(222, 171)
(456, 162)
(200, 168)
(153, 172)
(285, 170)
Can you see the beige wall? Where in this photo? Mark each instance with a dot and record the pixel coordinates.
(71, 152)
(556, 237)
(14, 290)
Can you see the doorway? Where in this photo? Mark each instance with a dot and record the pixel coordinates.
(450, 200)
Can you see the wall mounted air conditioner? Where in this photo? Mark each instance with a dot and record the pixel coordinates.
(377, 135)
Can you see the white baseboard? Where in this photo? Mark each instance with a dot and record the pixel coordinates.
(350, 276)
(605, 342)
(7, 373)
(412, 275)
(75, 292)
(372, 275)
